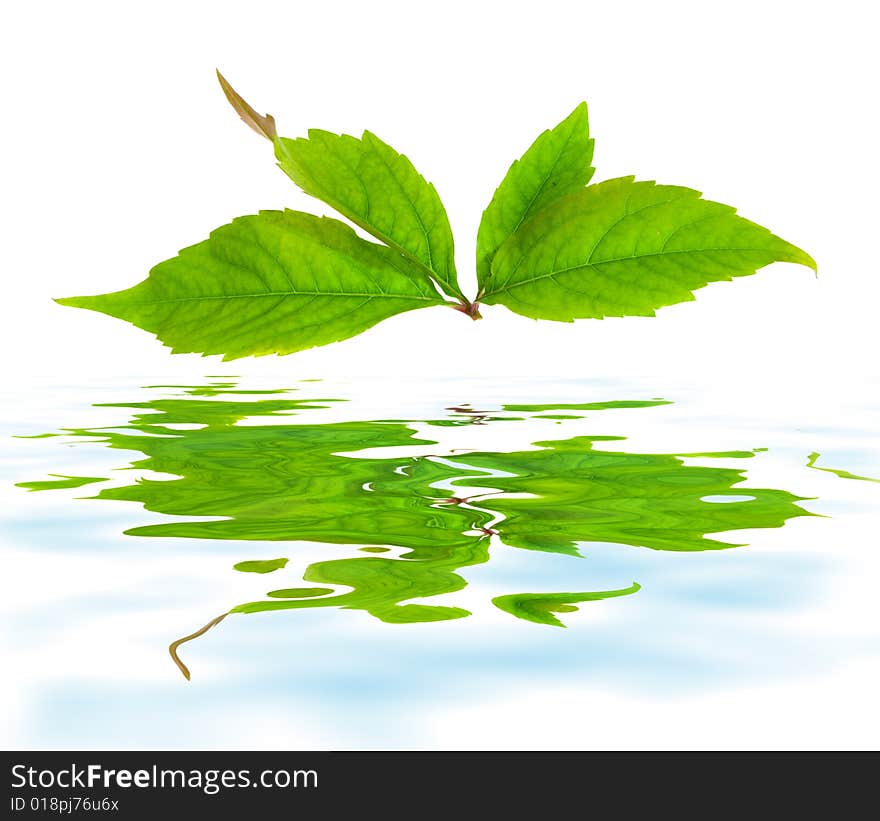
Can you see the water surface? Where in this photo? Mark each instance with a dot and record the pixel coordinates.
(432, 549)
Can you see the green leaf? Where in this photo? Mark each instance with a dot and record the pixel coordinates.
(379, 190)
(556, 164)
(627, 248)
(540, 607)
(276, 282)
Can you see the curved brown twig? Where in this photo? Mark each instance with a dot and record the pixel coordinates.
(172, 648)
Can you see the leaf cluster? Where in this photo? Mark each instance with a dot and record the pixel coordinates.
(550, 245)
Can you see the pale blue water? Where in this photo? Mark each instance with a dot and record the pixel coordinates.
(748, 636)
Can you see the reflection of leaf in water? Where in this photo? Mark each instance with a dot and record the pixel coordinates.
(842, 474)
(299, 592)
(218, 389)
(208, 413)
(540, 607)
(61, 482)
(306, 481)
(470, 420)
(261, 565)
(640, 499)
(379, 585)
(289, 483)
(589, 406)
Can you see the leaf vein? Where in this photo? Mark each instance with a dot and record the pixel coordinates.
(368, 295)
(594, 265)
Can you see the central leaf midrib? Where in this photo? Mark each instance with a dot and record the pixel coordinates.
(289, 294)
(431, 275)
(544, 182)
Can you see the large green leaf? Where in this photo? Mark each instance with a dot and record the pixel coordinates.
(378, 189)
(276, 282)
(627, 248)
(556, 164)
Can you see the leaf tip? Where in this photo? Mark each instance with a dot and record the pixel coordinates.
(99, 303)
(579, 117)
(811, 263)
(264, 125)
(801, 257)
(70, 301)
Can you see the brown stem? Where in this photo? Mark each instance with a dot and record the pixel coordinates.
(263, 124)
(172, 648)
(471, 309)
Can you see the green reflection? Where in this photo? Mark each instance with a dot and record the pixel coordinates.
(540, 607)
(299, 592)
(61, 482)
(246, 472)
(261, 565)
(580, 494)
(217, 389)
(842, 474)
(291, 483)
(589, 406)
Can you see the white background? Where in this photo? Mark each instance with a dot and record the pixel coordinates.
(119, 149)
